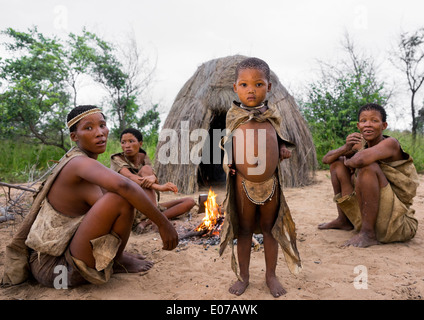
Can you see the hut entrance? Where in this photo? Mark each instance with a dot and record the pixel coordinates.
(210, 170)
(202, 103)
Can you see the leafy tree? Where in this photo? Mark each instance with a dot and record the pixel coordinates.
(331, 103)
(124, 79)
(409, 58)
(80, 55)
(107, 70)
(40, 83)
(148, 124)
(34, 104)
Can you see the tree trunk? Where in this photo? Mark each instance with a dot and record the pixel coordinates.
(414, 120)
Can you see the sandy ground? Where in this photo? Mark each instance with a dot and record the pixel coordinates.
(195, 271)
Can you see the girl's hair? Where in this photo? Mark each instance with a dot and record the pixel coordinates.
(136, 133)
(254, 63)
(77, 111)
(375, 107)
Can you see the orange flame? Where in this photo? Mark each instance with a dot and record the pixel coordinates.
(212, 213)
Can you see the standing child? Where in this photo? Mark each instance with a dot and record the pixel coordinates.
(254, 181)
(81, 219)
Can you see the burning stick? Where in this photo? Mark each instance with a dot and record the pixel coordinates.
(212, 221)
(193, 233)
(212, 213)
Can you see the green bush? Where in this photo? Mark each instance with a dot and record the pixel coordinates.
(416, 150)
(23, 161)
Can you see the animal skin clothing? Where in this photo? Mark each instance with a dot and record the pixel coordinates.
(284, 227)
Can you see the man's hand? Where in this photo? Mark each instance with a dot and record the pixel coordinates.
(284, 153)
(137, 179)
(169, 236)
(232, 170)
(169, 186)
(352, 140)
(147, 182)
(346, 163)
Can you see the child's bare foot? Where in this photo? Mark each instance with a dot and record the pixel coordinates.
(239, 287)
(361, 240)
(275, 287)
(342, 224)
(131, 263)
(139, 256)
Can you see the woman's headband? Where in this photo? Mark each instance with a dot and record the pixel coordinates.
(82, 115)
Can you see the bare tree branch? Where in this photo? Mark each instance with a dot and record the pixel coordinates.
(410, 55)
(17, 187)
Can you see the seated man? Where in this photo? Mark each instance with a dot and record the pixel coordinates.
(374, 183)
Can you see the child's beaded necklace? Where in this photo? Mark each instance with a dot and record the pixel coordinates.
(251, 108)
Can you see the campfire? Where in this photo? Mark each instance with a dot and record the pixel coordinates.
(209, 229)
(212, 221)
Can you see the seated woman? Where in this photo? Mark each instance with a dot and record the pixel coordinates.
(374, 186)
(81, 218)
(135, 164)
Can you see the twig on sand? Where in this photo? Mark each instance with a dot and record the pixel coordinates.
(193, 233)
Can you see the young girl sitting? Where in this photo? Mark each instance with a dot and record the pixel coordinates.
(134, 163)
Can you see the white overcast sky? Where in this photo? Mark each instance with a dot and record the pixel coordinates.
(182, 34)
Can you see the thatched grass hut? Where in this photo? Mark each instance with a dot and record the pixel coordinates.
(202, 103)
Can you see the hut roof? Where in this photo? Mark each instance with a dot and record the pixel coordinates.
(208, 94)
